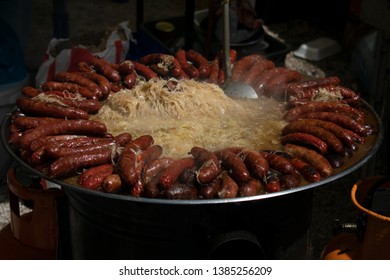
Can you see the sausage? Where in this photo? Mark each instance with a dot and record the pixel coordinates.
(72, 164)
(276, 85)
(191, 71)
(242, 66)
(180, 191)
(207, 163)
(210, 190)
(91, 106)
(64, 127)
(307, 171)
(257, 68)
(151, 188)
(255, 162)
(172, 173)
(234, 164)
(200, 62)
(272, 182)
(70, 87)
(289, 181)
(126, 67)
(305, 139)
(229, 187)
(348, 137)
(103, 67)
(25, 122)
(251, 188)
(214, 71)
(278, 162)
(260, 84)
(319, 162)
(329, 138)
(328, 106)
(112, 183)
(55, 151)
(103, 83)
(30, 91)
(37, 107)
(342, 120)
(79, 79)
(297, 88)
(93, 177)
(157, 166)
(167, 63)
(128, 158)
(144, 71)
(130, 80)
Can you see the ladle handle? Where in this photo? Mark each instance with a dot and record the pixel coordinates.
(226, 40)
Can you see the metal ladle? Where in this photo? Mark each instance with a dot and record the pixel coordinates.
(234, 89)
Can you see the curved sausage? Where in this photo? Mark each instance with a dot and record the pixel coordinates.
(105, 68)
(329, 138)
(200, 62)
(318, 161)
(323, 106)
(64, 127)
(305, 139)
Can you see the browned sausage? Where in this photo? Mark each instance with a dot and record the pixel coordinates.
(323, 106)
(25, 122)
(255, 162)
(276, 85)
(200, 62)
(128, 158)
(93, 177)
(112, 184)
(130, 80)
(70, 87)
(260, 84)
(315, 159)
(272, 182)
(78, 78)
(72, 164)
(258, 67)
(298, 88)
(278, 162)
(83, 127)
(172, 173)
(180, 191)
(307, 171)
(144, 71)
(105, 68)
(234, 164)
(157, 166)
(305, 139)
(241, 67)
(37, 107)
(210, 190)
(329, 138)
(126, 67)
(207, 163)
(348, 137)
(342, 120)
(229, 187)
(188, 68)
(251, 188)
(103, 83)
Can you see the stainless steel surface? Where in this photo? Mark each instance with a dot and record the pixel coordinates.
(235, 89)
(360, 158)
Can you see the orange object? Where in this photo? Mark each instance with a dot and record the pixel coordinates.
(344, 246)
(37, 228)
(376, 240)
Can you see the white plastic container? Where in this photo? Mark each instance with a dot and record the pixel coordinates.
(8, 95)
(318, 49)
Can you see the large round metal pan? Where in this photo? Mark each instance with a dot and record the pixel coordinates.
(360, 157)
